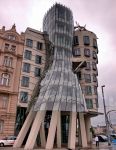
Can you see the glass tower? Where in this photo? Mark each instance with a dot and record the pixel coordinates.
(60, 89)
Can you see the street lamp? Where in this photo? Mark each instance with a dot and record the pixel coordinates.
(106, 118)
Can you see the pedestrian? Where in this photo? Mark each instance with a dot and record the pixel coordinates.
(97, 141)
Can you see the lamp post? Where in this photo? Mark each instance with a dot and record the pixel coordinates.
(106, 118)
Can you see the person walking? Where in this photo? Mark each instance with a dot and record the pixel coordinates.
(97, 141)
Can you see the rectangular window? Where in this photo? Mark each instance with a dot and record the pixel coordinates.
(76, 52)
(88, 66)
(88, 90)
(13, 48)
(39, 46)
(94, 55)
(95, 90)
(3, 101)
(6, 46)
(37, 72)
(8, 61)
(94, 43)
(26, 67)
(38, 59)
(5, 79)
(29, 43)
(89, 103)
(97, 104)
(86, 40)
(25, 81)
(87, 52)
(1, 126)
(87, 78)
(28, 54)
(23, 97)
(94, 66)
(75, 40)
(94, 78)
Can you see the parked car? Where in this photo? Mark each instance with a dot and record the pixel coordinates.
(113, 136)
(102, 138)
(7, 141)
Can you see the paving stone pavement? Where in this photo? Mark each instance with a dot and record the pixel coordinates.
(103, 146)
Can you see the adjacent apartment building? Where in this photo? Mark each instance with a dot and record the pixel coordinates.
(11, 55)
(31, 69)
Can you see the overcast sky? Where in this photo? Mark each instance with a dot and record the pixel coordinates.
(99, 17)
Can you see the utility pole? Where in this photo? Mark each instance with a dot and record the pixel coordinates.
(106, 117)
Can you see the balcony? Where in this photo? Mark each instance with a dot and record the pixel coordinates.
(11, 51)
(7, 69)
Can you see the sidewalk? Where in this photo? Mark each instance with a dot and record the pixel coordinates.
(102, 146)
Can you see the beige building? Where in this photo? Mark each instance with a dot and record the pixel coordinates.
(85, 50)
(85, 62)
(32, 67)
(11, 54)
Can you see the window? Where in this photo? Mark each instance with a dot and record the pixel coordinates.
(79, 76)
(5, 79)
(26, 67)
(88, 66)
(8, 61)
(11, 37)
(23, 97)
(94, 78)
(39, 45)
(86, 40)
(1, 126)
(25, 81)
(94, 55)
(87, 52)
(29, 42)
(61, 12)
(3, 101)
(6, 46)
(94, 66)
(76, 52)
(37, 72)
(87, 78)
(94, 43)
(38, 59)
(89, 103)
(13, 48)
(75, 40)
(27, 54)
(95, 90)
(88, 90)
(96, 101)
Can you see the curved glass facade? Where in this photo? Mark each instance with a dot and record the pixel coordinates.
(60, 89)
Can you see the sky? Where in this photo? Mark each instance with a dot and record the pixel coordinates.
(99, 17)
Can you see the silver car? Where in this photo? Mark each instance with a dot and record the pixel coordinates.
(7, 141)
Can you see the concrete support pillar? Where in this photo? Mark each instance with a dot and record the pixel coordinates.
(59, 131)
(35, 129)
(72, 131)
(52, 130)
(83, 130)
(88, 126)
(24, 129)
(42, 136)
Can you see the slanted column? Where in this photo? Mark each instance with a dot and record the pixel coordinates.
(72, 130)
(88, 126)
(42, 136)
(59, 131)
(52, 130)
(35, 129)
(83, 130)
(24, 129)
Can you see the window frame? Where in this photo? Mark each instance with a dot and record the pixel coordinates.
(23, 81)
(22, 99)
